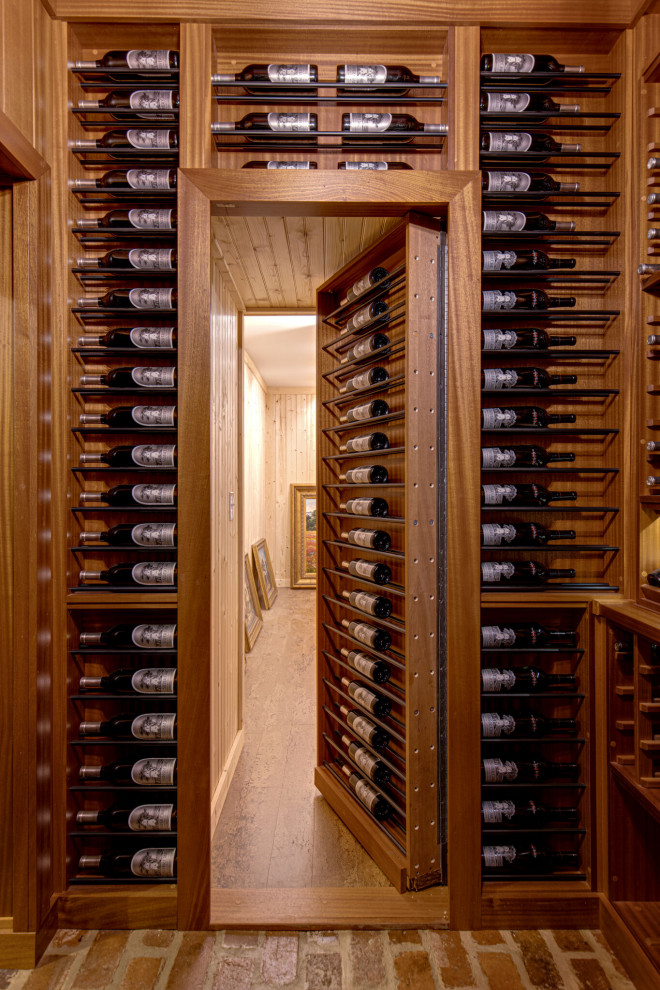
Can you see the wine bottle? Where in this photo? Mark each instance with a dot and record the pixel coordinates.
(142, 297)
(376, 539)
(145, 863)
(522, 142)
(140, 818)
(397, 126)
(151, 534)
(364, 728)
(525, 258)
(149, 455)
(146, 259)
(126, 495)
(512, 181)
(653, 163)
(138, 337)
(373, 277)
(653, 338)
(376, 670)
(524, 814)
(140, 376)
(522, 337)
(374, 376)
(143, 178)
(147, 772)
(498, 62)
(272, 126)
(140, 138)
(363, 348)
(518, 102)
(141, 218)
(522, 635)
(365, 506)
(530, 859)
(138, 99)
(149, 680)
(521, 534)
(143, 59)
(369, 571)
(496, 771)
(132, 417)
(530, 572)
(653, 481)
(274, 165)
(520, 455)
(496, 418)
(526, 679)
(494, 300)
(144, 636)
(147, 572)
(370, 410)
(282, 78)
(378, 309)
(373, 166)
(522, 495)
(370, 474)
(522, 724)
(374, 703)
(653, 233)
(500, 378)
(371, 604)
(367, 78)
(367, 762)
(367, 794)
(148, 725)
(653, 578)
(377, 639)
(372, 441)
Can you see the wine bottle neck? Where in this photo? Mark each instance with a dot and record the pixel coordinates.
(561, 457)
(87, 817)
(570, 770)
(562, 496)
(560, 572)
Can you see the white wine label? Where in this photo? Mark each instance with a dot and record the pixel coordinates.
(369, 122)
(288, 165)
(153, 863)
(148, 178)
(361, 726)
(361, 662)
(494, 725)
(154, 377)
(154, 534)
(154, 415)
(508, 181)
(289, 73)
(141, 58)
(494, 534)
(151, 99)
(369, 166)
(363, 600)
(496, 811)
(500, 378)
(154, 572)
(495, 261)
(358, 476)
(497, 856)
(504, 221)
(493, 300)
(359, 506)
(498, 494)
(358, 443)
(357, 74)
(495, 771)
(362, 567)
(154, 636)
(360, 287)
(154, 680)
(508, 102)
(358, 319)
(503, 62)
(154, 772)
(151, 818)
(152, 337)
(290, 121)
(363, 631)
(509, 141)
(358, 382)
(492, 571)
(150, 298)
(154, 455)
(151, 259)
(154, 725)
(142, 138)
(154, 494)
(147, 218)
(497, 637)
(494, 680)
(367, 795)
(498, 419)
(366, 762)
(497, 457)
(360, 537)
(360, 412)
(498, 340)
(363, 696)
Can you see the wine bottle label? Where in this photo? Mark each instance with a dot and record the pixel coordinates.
(497, 457)
(287, 165)
(370, 166)
(498, 419)
(152, 336)
(151, 99)
(495, 378)
(493, 300)
(494, 680)
(508, 181)
(358, 319)
(359, 506)
(508, 102)
(154, 534)
(154, 494)
(358, 476)
(151, 259)
(358, 382)
(495, 261)
(363, 600)
(290, 121)
(154, 572)
(154, 680)
(366, 347)
(494, 725)
(366, 762)
(154, 772)
(361, 726)
(494, 534)
(154, 377)
(492, 572)
(154, 725)
(513, 63)
(154, 636)
(361, 662)
(154, 455)
(496, 771)
(361, 286)
(150, 219)
(509, 141)
(153, 863)
(289, 73)
(151, 818)
(498, 494)
(363, 568)
(360, 412)
(497, 811)
(360, 537)
(504, 221)
(497, 340)
(496, 637)
(148, 59)
(367, 795)
(363, 631)
(142, 138)
(153, 415)
(357, 74)
(363, 696)
(148, 178)
(150, 298)
(497, 856)
(369, 122)
(358, 443)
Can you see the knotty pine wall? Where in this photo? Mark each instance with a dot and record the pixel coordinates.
(254, 454)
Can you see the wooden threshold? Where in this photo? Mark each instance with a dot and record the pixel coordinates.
(629, 943)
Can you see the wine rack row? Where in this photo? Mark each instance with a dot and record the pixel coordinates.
(123, 700)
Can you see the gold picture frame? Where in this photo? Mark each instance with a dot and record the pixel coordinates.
(304, 554)
(253, 618)
(263, 569)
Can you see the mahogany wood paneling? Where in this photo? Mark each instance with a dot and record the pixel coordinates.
(195, 141)
(539, 905)
(6, 525)
(464, 50)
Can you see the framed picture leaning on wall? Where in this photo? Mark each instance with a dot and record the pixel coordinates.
(253, 619)
(303, 536)
(264, 572)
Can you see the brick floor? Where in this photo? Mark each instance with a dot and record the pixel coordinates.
(394, 960)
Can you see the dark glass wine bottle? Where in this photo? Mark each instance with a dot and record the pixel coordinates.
(370, 410)
(653, 578)
(365, 347)
(374, 277)
(366, 698)
(363, 727)
(376, 310)
(522, 258)
(367, 794)
(374, 768)
(147, 772)
(526, 635)
(281, 166)
(527, 813)
(361, 78)
(150, 534)
(148, 572)
(501, 378)
(512, 181)
(376, 670)
(523, 679)
(140, 218)
(141, 338)
(374, 376)
(133, 818)
(369, 474)
(522, 337)
(365, 506)
(132, 417)
(150, 455)
(138, 100)
(142, 178)
(397, 127)
(146, 259)
(519, 725)
(371, 441)
(521, 534)
(530, 572)
(497, 771)
(522, 495)
(149, 495)
(371, 604)
(146, 726)
(142, 297)
(144, 60)
(138, 376)
(529, 859)
(143, 139)
(376, 539)
(499, 62)
(145, 863)
(148, 680)
(519, 102)
(377, 639)
(505, 221)
(373, 166)
(272, 127)
(369, 571)
(496, 300)
(145, 636)
(523, 142)
(520, 455)
(497, 418)
(281, 78)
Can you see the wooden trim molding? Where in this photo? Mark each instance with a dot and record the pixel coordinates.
(18, 158)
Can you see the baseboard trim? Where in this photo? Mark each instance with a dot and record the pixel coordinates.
(222, 788)
(18, 950)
